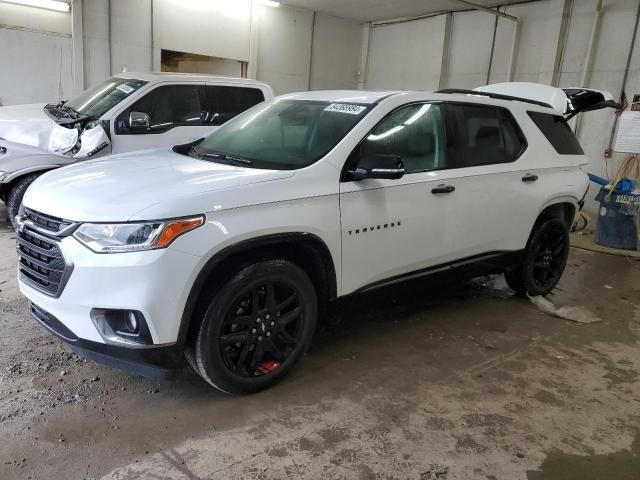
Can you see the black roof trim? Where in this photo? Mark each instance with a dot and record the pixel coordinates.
(497, 96)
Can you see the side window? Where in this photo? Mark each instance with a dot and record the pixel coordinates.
(415, 133)
(482, 135)
(224, 103)
(558, 132)
(168, 107)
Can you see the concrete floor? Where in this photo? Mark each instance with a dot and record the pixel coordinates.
(459, 375)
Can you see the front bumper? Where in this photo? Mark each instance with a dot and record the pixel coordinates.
(155, 283)
(152, 361)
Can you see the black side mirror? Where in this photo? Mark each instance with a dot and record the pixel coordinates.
(377, 165)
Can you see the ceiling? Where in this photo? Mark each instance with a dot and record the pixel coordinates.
(375, 10)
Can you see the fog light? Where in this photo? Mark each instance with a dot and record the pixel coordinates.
(126, 327)
(133, 323)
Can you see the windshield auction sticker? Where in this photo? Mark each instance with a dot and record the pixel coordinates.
(345, 108)
(123, 87)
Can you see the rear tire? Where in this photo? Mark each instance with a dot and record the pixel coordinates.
(16, 194)
(256, 327)
(544, 261)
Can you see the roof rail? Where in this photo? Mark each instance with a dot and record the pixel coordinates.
(494, 95)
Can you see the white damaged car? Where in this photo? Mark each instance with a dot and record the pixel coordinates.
(127, 112)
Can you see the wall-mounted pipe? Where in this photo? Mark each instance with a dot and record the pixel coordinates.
(110, 43)
(493, 49)
(588, 61)
(562, 42)
(446, 49)
(516, 33)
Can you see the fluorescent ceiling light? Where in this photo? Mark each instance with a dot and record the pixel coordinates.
(270, 3)
(56, 5)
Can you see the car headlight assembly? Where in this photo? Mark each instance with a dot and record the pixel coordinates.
(134, 237)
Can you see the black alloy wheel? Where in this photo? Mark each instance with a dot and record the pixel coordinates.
(257, 326)
(544, 260)
(261, 328)
(549, 258)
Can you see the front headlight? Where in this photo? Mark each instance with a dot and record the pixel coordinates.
(62, 140)
(134, 237)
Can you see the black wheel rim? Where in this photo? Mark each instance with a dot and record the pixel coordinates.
(261, 329)
(549, 256)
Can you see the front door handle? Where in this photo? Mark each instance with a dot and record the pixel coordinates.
(529, 178)
(443, 189)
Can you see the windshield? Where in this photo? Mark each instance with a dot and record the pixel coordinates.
(282, 134)
(98, 100)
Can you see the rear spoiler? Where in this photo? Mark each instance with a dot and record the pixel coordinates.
(566, 101)
(587, 100)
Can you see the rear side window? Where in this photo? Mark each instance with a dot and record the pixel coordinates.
(558, 132)
(224, 103)
(482, 135)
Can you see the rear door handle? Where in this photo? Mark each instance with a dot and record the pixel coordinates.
(443, 189)
(529, 177)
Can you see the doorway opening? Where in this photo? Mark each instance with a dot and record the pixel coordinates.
(182, 62)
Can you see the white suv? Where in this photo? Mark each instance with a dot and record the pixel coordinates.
(228, 249)
(127, 112)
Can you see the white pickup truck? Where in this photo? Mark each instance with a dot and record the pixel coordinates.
(127, 112)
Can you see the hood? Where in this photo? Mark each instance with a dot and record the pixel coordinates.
(17, 156)
(27, 124)
(119, 186)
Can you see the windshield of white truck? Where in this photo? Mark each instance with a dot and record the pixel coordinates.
(282, 134)
(98, 100)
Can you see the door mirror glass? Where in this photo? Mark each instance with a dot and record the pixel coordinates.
(378, 165)
(139, 121)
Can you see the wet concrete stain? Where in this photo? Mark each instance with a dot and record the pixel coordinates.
(621, 465)
(545, 396)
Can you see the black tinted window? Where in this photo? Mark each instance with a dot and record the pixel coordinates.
(558, 132)
(168, 107)
(482, 135)
(415, 133)
(224, 103)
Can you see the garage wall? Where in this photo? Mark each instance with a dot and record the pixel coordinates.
(43, 36)
(470, 50)
(284, 48)
(607, 72)
(131, 35)
(117, 35)
(336, 53)
(217, 28)
(406, 55)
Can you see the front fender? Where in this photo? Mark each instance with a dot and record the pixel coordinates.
(19, 160)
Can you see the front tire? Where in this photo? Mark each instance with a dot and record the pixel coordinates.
(544, 261)
(256, 327)
(16, 194)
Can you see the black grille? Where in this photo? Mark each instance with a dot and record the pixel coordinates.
(41, 263)
(47, 222)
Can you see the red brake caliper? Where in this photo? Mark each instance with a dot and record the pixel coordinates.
(268, 366)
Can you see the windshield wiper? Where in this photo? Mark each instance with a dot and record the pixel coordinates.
(233, 160)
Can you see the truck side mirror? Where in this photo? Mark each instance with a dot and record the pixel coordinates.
(377, 165)
(139, 121)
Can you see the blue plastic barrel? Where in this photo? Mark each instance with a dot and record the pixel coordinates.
(617, 221)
